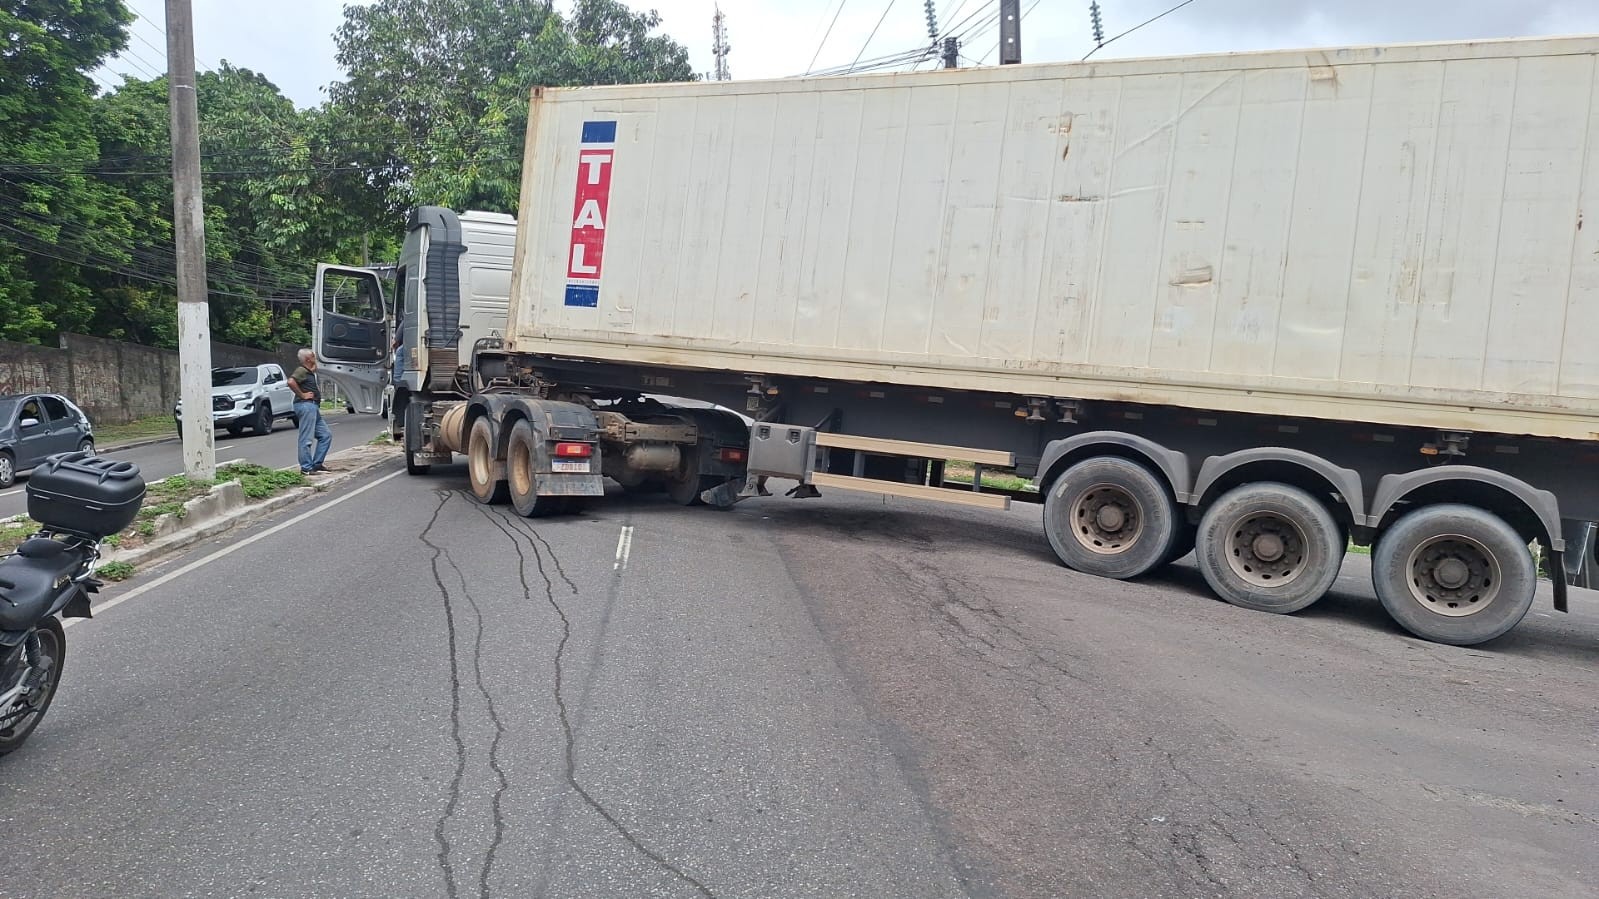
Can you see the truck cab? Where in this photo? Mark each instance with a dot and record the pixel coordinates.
(450, 291)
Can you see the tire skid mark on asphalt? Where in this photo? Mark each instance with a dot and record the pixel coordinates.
(534, 541)
(453, 802)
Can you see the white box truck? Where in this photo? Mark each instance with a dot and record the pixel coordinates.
(1254, 306)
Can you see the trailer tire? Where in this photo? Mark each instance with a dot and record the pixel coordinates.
(1182, 544)
(1110, 517)
(482, 469)
(1270, 547)
(1454, 574)
(521, 474)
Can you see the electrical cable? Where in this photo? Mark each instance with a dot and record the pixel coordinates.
(1138, 26)
(880, 20)
(818, 54)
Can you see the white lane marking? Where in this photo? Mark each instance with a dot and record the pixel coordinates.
(145, 588)
(13, 492)
(624, 548)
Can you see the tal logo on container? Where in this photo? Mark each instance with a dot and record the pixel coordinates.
(586, 254)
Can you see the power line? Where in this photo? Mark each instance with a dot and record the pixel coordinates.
(955, 29)
(162, 31)
(159, 257)
(487, 138)
(146, 68)
(97, 262)
(1138, 26)
(146, 41)
(869, 37)
(876, 63)
(325, 168)
(244, 242)
(817, 55)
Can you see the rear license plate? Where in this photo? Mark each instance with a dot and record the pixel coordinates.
(570, 467)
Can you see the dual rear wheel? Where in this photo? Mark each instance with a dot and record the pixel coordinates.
(515, 480)
(1446, 573)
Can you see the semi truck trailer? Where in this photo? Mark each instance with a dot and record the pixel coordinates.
(1255, 307)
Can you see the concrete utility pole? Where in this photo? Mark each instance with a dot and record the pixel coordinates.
(952, 53)
(1010, 32)
(188, 230)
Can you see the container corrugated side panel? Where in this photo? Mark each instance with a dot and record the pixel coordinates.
(1381, 234)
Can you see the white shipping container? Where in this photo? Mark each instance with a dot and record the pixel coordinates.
(1384, 234)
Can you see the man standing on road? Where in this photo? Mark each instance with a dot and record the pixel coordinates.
(308, 409)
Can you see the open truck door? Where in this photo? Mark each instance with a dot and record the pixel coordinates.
(350, 330)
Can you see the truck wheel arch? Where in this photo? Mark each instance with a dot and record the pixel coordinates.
(1060, 455)
(502, 412)
(1534, 513)
(1297, 468)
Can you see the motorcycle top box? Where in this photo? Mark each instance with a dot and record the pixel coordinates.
(84, 495)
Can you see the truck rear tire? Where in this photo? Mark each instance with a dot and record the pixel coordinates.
(1454, 574)
(482, 469)
(411, 436)
(685, 489)
(522, 477)
(1110, 517)
(1270, 547)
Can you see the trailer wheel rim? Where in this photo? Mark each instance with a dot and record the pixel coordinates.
(1107, 519)
(1454, 575)
(1266, 549)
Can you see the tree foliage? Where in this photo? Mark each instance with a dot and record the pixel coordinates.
(46, 107)
(432, 111)
(444, 84)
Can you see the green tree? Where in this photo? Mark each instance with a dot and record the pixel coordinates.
(261, 194)
(56, 218)
(437, 90)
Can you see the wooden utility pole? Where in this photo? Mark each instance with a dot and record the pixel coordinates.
(188, 230)
(1010, 32)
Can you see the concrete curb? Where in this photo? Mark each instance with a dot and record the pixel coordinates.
(226, 507)
(133, 444)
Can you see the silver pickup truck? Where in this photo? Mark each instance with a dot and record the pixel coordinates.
(250, 396)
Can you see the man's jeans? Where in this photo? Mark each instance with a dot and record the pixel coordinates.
(313, 430)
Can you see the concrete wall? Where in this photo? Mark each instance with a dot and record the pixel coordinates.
(113, 382)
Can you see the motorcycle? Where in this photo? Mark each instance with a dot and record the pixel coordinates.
(78, 500)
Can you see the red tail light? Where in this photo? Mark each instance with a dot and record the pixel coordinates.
(574, 450)
(733, 454)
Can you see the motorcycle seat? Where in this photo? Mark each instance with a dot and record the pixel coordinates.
(27, 580)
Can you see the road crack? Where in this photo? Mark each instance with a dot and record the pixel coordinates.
(542, 549)
(452, 633)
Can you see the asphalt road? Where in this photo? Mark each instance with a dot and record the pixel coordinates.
(160, 460)
(405, 694)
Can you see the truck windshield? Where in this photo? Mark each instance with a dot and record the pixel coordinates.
(227, 377)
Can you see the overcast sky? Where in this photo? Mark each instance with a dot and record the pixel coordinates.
(290, 41)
